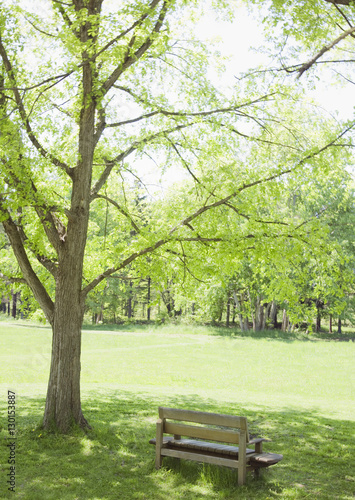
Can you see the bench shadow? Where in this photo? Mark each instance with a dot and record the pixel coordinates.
(114, 460)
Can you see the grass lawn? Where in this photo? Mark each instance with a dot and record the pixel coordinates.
(298, 391)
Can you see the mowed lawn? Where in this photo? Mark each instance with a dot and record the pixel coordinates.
(297, 391)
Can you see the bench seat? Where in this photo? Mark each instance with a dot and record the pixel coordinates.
(255, 460)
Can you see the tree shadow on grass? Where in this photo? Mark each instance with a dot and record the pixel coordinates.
(115, 461)
(284, 336)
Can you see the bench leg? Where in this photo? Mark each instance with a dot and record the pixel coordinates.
(159, 444)
(158, 459)
(242, 459)
(242, 475)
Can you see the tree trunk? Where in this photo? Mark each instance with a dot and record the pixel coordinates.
(263, 317)
(256, 316)
(330, 324)
(237, 303)
(129, 302)
(318, 321)
(273, 314)
(14, 305)
(228, 312)
(285, 321)
(148, 299)
(339, 325)
(63, 404)
(251, 310)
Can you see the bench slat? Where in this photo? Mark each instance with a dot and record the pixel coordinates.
(225, 436)
(204, 418)
(223, 449)
(197, 457)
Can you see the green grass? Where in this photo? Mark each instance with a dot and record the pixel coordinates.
(297, 390)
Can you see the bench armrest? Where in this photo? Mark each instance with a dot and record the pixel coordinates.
(258, 444)
(259, 440)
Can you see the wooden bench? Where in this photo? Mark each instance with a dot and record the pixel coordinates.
(209, 428)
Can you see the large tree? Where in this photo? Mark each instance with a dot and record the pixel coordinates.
(86, 86)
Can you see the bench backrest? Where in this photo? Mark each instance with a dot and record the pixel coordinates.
(230, 433)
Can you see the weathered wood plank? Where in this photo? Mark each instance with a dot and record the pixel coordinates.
(242, 468)
(199, 457)
(159, 444)
(222, 449)
(224, 436)
(266, 459)
(204, 417)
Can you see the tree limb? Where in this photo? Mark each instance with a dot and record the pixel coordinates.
(45, 216)
(130, 59)
(47, 263)
(38, 289)
(10, 279)
(325, 49)
(340, 2)
(119, 158)
(120, 209)
(23, 114)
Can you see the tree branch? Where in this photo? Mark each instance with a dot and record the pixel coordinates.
(10, 279)
(119, 158)
(39, 29)
(120, 209)
(325, 49)
(47, 263)
(340, 2)
(184, 114)
(38, 289)
(132, 58)
(24, 117)
(43, 212)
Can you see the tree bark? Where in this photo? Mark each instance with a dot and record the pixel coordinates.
(263, 317)
(246, 324)
(318, 321)
(240, 316)
(285, 321)
(14, 305)
(148, 299)
(63, 403)
(251, 310)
